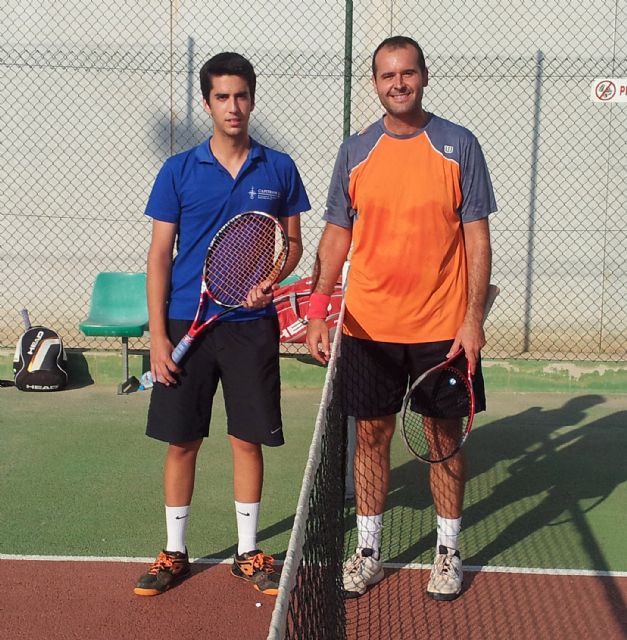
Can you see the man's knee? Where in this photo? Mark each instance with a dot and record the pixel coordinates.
(376, 433)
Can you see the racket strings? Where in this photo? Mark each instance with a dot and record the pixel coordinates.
(248, 251)
(436, 418)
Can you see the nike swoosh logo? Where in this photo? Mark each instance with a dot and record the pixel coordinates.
(279, 429)
(180, 517)
(244, 514)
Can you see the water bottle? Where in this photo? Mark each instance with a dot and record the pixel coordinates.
(145, 382)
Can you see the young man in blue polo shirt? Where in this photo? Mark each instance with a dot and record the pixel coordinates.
(195, 193)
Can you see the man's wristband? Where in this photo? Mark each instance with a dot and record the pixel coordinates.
(318, 305)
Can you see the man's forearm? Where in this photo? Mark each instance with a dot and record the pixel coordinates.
(291, 227)
(479, 264)
(293, 258)
(332, 253)
(157, 291)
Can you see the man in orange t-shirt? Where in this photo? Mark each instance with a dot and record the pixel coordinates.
(410, 197)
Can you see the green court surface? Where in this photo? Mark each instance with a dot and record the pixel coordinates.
(547, 489)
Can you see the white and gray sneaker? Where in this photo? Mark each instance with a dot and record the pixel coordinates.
(361, 571)
(445, 582)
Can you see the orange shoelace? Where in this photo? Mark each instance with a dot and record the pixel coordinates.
(162, 562)
(263, 562)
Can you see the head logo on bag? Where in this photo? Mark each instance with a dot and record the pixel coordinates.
(40, 361)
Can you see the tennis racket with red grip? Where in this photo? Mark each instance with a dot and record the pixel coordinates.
(439, 407)
(248, 250)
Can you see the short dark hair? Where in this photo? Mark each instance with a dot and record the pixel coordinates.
(399, 42)
(227, 64)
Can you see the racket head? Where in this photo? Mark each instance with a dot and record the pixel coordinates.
(249, 249)
(438, 411)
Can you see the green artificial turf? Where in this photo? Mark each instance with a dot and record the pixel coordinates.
(547, 488)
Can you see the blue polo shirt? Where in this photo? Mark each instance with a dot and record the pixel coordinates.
(194, 191)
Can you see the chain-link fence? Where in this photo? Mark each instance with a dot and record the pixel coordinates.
(96, 96)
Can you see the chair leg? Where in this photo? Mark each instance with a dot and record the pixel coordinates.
(124, 358)
(130, 384)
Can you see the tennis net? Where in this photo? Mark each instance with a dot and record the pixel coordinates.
(310, 604)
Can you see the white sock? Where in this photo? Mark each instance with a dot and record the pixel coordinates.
(247, 514)
(369, 532)
(448, 532)
(176, 520)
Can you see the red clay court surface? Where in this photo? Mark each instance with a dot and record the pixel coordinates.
(494, 606)
(56, 600)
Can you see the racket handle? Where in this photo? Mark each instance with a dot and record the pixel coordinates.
(493, 292)
(181, 348)
(25, 318)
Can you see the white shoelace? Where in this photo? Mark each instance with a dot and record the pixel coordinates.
(445, 565)
(354, 564)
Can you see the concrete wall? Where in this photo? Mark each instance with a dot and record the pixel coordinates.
(95, 97)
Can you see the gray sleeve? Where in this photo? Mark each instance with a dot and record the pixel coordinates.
(477, 193)
(338, 209)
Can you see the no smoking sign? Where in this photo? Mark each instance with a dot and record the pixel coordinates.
(609, 90)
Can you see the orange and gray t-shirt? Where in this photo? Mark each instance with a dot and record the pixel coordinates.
(406, 199)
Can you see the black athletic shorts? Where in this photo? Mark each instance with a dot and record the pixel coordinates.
(374, 376)
(244, 357)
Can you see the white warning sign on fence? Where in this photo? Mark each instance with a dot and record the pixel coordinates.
(609, 90)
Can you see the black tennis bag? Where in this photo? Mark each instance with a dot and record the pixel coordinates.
(40, 361)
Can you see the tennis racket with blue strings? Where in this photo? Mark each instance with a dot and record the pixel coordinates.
(250, 249)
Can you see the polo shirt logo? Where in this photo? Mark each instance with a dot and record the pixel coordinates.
(448, 148)
(264, 194)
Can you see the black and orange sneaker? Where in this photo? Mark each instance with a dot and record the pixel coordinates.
(258, 568)
(169, 568)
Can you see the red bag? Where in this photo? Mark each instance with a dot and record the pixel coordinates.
(292, 303)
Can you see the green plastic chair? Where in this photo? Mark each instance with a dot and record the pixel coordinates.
(118, 308)
(289, 280)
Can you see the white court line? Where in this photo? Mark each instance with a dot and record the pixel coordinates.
(389, 565)
(9, 556)
(532, 570)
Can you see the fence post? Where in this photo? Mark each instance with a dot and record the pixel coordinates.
(535, 144)
(348, 66)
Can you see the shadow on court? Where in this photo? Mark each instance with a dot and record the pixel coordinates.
(546, 481)
(535, 480)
